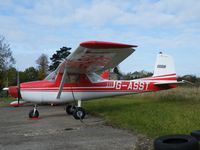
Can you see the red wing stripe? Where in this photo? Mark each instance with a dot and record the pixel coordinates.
(104, 45)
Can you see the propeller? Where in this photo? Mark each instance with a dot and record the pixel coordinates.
(18, 88)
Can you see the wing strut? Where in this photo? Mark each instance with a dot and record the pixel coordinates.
(62, 83)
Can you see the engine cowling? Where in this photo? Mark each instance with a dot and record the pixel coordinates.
(13, 91)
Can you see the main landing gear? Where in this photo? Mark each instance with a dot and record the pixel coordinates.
(77, 111)
(34, 113)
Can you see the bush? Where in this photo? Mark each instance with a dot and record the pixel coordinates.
(3, 94)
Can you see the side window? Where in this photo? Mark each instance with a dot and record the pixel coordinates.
(93, 77)
(72, 78)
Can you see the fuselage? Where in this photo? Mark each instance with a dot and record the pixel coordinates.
(46, 91)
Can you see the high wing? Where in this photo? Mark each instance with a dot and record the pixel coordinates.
(96, 56)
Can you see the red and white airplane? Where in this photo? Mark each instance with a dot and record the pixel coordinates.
(76, 78)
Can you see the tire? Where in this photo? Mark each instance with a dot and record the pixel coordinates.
(176, 142)
(70, 109)
(79, 113)
(32, 115)
(196, 134)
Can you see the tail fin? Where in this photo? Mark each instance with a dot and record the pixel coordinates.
(164, 66)
(164, 73)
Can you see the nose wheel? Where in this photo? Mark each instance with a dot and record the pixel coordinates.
(34, 113)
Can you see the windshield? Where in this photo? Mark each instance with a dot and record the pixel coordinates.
(51, 76)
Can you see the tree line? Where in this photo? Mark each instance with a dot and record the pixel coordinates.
(8, 73)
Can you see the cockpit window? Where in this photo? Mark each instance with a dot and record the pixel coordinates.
(72, 78)
(93, 77)
(51, 76)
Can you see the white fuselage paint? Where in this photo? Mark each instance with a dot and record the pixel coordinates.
(50, 96)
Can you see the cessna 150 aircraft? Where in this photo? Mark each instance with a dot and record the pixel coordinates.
(76, 78)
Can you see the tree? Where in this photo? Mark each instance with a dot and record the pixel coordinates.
(128, 76)
(137, 75)
(42, 62)
(58, 57)
(6, 59)
(30, 74)
(11, 77)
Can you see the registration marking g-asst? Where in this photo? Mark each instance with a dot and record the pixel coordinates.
(135, 85)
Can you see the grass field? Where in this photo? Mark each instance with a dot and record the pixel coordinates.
(152, 114)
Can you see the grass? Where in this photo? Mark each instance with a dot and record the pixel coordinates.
(175, 111)
(5, 100)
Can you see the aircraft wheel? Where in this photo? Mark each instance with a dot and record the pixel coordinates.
(33, 114)
(79, 113)
(70, 109)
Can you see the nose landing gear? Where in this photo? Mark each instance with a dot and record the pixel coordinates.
(34, 113)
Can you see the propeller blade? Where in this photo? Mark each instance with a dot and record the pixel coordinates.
(18, 87)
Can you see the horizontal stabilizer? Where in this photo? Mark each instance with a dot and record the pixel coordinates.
(171, 82)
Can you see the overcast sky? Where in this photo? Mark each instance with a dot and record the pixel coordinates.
(33, 27)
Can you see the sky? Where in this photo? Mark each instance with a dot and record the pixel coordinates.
(43, 26)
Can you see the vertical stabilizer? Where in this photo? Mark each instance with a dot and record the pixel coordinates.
(164, 65)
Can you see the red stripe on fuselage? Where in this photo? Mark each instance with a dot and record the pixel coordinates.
(170, 78)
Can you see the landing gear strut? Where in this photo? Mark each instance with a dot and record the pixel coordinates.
(34, 113)
(79, 112)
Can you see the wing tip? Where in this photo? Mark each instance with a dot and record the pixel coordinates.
(105, 45)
